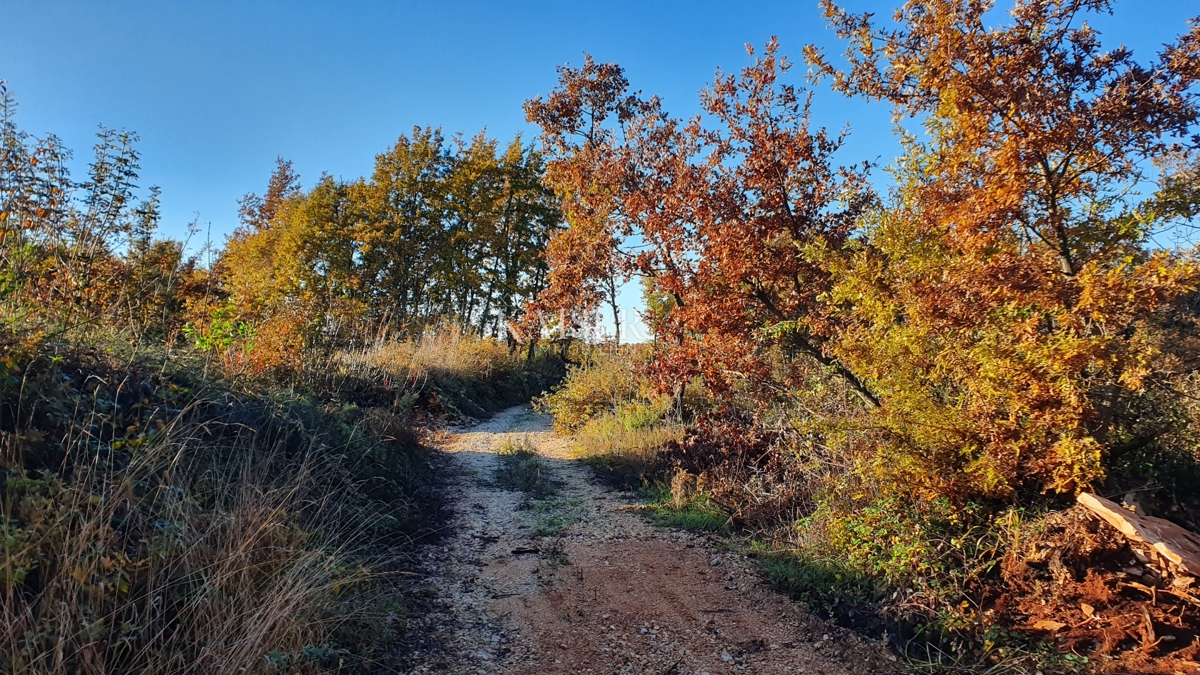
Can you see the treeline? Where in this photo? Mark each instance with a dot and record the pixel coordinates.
(444, 233)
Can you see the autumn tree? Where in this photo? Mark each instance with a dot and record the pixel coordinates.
(1003, 305)
(995, 315)
(82, 253)
(257, 212)
(526, 216)
(721, 215)
(586, 126)
(443, 232)
(35, 189)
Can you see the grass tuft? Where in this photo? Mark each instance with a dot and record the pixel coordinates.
(555, 515)
(694, 513)
(521, 468)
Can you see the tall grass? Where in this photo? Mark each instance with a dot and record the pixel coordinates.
(438, 355)
(164, 523)
(180, 560)
(633, 451)
(466, 375)
(611, 410)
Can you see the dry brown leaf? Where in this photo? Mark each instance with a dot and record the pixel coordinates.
(1049, 625)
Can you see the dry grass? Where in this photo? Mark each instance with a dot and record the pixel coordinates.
(157, 520)
(464, 376)
(629, 454)
(170, 564)
(147, 528)
(439, 355)
(607, 436)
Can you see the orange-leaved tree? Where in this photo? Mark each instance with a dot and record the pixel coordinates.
(997, 316)
(719, 217)
(586, 125)
(1004, 304)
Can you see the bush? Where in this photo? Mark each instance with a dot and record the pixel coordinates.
(605, 383)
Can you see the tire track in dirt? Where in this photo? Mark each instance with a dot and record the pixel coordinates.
(605, 591)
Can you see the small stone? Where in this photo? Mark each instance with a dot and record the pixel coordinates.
(726, 657)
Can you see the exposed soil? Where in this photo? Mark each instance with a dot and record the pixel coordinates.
(580, 583)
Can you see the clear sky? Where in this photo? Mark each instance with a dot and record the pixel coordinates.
(218, 89)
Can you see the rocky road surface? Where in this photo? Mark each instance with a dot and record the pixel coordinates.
(581, 583)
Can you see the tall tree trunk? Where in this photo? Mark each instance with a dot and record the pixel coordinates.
(616, 309)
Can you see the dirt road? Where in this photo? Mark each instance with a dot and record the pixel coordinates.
(579, 583)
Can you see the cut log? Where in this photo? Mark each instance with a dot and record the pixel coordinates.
(1169, 540)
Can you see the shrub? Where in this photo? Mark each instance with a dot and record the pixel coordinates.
(605, 383)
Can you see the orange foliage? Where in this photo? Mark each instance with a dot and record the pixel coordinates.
(994, 316)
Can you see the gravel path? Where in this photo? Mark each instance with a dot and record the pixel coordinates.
(580, 583)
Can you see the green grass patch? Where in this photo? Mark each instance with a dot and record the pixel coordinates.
(831, 589)
(522, 469)
(693, 519)
(697, 515)
(552, 516)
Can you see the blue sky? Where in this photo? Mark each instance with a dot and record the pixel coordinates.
(217, 90)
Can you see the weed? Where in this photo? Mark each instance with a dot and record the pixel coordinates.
(552, 516)
(696, 514)
(522, 468)
(826, 585)
(554, 553)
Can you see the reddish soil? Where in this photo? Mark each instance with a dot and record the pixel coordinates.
(581, 583)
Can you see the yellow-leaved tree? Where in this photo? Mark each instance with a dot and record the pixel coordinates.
(1005, 306)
